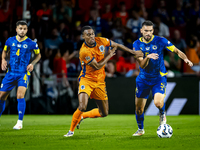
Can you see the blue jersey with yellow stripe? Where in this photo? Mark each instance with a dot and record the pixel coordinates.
(20, 53)
(157, 44)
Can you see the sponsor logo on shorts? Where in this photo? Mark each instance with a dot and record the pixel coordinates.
(82, 87)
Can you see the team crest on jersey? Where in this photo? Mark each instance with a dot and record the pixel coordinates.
(25, 46)
(101, 48)
(87, 58)
(147, 48)
(82, 87)
(13, 44)
(18, 45)
(154, 47)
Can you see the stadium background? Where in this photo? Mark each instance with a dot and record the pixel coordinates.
(56, 26)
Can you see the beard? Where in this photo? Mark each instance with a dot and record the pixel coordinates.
(21, 36)
(147, 38)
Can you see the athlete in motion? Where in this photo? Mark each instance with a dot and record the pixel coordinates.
(92, 77)
(152, 72)
(18, 68)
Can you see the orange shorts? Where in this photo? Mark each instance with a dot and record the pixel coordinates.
(95, 90)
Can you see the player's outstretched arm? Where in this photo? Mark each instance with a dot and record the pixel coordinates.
(137, 54)
(4, 62)
(144, 62)
(183, 56)
(31, 65)
(100, 64)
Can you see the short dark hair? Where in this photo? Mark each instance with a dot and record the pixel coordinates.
(85, 28)
(21, 22)
(147, 23)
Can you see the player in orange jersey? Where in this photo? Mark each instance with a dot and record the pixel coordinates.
(92, 76)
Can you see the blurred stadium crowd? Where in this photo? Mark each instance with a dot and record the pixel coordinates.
(56, 26)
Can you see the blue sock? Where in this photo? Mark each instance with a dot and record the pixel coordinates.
(21, 108)
(162, 110)
(2, 106)
(140, 120)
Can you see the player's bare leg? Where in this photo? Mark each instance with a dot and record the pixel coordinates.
(139, 114)
(83, 101)
(101, 111)
(21, 106)
(159, 103)
(3, 98)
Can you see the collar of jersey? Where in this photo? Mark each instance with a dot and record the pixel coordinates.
(21, 40)
(149, 40)
(90, 46)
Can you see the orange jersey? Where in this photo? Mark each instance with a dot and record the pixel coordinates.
(86, 56)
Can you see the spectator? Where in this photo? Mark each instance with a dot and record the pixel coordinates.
(122, 13)
(163, 28)
(132, 67)
(162, 12)
(99, 25)
(53, 42)
(64, 31)
(173, 63)
(111, 69)
(178, 41)
(118, 31)
(178, 14)
(135, 22)
(44, 16)
(142, 10)
(62, 12)
(192, 55)
(107, 15)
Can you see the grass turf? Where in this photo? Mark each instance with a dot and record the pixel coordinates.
(113, 132)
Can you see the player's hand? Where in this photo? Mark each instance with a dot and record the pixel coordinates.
(29, 67)
(111, 52)
(4, 65)
(153, 56)
(187, 61)
(138, 54)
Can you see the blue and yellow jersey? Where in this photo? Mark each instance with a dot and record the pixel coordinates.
(20, 53)
(157, 44)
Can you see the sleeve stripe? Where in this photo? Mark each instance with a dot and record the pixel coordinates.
(37, 51)
(5, 48)
(90, 61)
(171, 48)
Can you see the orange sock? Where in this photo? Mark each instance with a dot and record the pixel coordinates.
(94, 113)
(75, 119)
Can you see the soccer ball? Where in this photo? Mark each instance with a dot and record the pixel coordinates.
(164, 131)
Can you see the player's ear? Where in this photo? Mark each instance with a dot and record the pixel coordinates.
(141, 30)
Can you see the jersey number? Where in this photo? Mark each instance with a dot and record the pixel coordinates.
(17, 53)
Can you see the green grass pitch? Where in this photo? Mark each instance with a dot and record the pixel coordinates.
(113, 132)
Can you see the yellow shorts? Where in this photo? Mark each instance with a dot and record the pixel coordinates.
(95, 90)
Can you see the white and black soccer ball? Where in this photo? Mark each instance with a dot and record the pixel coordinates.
(164, 131)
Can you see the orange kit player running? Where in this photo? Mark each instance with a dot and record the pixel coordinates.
(92, 77)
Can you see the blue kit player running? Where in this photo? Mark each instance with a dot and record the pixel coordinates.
(153, 73)
(18, 68)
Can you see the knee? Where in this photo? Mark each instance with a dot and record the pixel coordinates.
(20, 95)
(2, 96)
(139, 111)
(158, 104)
(104, 113)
